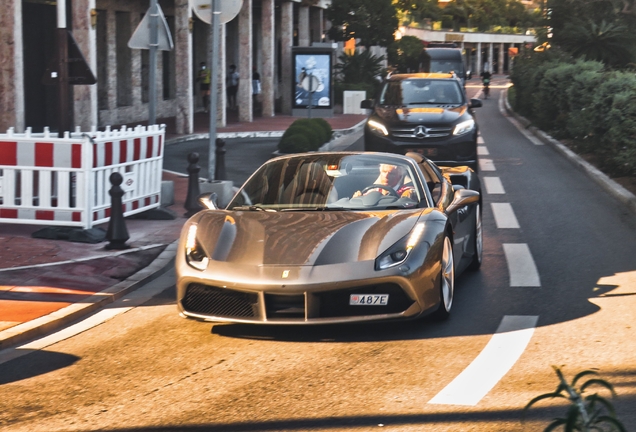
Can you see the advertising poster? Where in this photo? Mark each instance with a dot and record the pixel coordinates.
(312, 72)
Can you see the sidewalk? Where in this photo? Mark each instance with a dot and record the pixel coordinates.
(47, 284)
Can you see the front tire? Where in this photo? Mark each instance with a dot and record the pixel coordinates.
(447, 282)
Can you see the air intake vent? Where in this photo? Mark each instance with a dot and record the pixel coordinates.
(219, 302)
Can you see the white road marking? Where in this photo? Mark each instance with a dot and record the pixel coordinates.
(482, 151)
(493, 185)
(124, 304)
(489, 367)
(504, 215)
(480, 140)
(521, 267)
(486, 165)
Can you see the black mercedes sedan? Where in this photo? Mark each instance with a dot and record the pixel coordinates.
(426, 113)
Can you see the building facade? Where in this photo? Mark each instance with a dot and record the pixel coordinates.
(481, 50)
(259, 39)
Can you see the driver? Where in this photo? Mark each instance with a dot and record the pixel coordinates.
(394, 177)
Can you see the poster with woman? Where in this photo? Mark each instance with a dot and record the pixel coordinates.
(312, 78)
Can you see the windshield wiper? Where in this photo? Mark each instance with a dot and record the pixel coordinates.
(313, 209)
(252, 208)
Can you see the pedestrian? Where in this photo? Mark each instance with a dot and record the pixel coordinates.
(204, 76)
(256, 83)
(232, 87)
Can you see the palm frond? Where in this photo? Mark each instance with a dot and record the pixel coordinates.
(580, 375)
(593, 399)
(614, 422)
(598, 382)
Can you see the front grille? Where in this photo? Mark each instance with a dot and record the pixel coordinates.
(420, 133)
(219, 302)
(335, 304)
(285, 306)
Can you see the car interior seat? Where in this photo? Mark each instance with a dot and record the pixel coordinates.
(310, 186)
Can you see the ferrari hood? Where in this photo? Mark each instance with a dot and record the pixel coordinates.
(301, 238)
(419, 115)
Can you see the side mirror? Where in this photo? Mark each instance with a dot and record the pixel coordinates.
(475, 103)
(462, 197)
(209, 201)
(367, 104)
(469, 75)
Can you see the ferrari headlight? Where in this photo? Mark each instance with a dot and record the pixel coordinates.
(464, 127)
(195, 256)
(378, 128)
(399, 252)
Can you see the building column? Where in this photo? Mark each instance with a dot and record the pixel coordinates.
(500, 66)
(317, 27)
(267, 56)
(303, 26)
(287, 40)
(479, 62)
(11, 67)
(85, 96)
(244, 98)
(184, 73)
(490, 57)
(111, 32)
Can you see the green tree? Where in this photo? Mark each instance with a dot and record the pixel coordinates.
(610, 43)
(595, 29)
(404, 54)
(419, 10)
(372, 22)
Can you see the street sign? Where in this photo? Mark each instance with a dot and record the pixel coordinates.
(79, 73)
(228, 8)
(141, 37)
(312, 84)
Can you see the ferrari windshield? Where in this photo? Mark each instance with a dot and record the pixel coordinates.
(421, 91)
(331, 181)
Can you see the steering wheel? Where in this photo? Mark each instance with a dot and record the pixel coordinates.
(391, 191)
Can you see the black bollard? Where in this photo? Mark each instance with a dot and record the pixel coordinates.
(192, 199)
(117, 234)
(219, 166)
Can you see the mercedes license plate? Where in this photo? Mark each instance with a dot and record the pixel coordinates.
(425, 151)
(369, 299)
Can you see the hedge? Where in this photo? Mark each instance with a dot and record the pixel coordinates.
(315, 132)
(581, 101)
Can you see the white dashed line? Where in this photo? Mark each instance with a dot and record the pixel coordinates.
(495, 360)
(486, 165)
(482, 151)
(504, 215)
(493, 185)
(521, 267)
(480, 140)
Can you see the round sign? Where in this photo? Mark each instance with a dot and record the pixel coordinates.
(228, 9)
(311, 83)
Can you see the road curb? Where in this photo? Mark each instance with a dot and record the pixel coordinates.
(603, 180)
(29, 330)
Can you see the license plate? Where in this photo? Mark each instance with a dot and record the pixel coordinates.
(425, 151)
(369, 299)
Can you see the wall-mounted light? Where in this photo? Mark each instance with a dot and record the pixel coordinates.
(93, 18)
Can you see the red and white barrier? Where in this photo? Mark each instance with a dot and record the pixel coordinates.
(46, 180)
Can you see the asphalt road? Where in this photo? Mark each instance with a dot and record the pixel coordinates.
(556, 288)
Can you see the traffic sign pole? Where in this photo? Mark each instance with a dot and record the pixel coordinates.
(214, 71)
(152, 73)
(62, 70)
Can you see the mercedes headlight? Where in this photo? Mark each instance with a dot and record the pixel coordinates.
(194, 253)
(464, 127)
(400, 251)
(378, 128)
